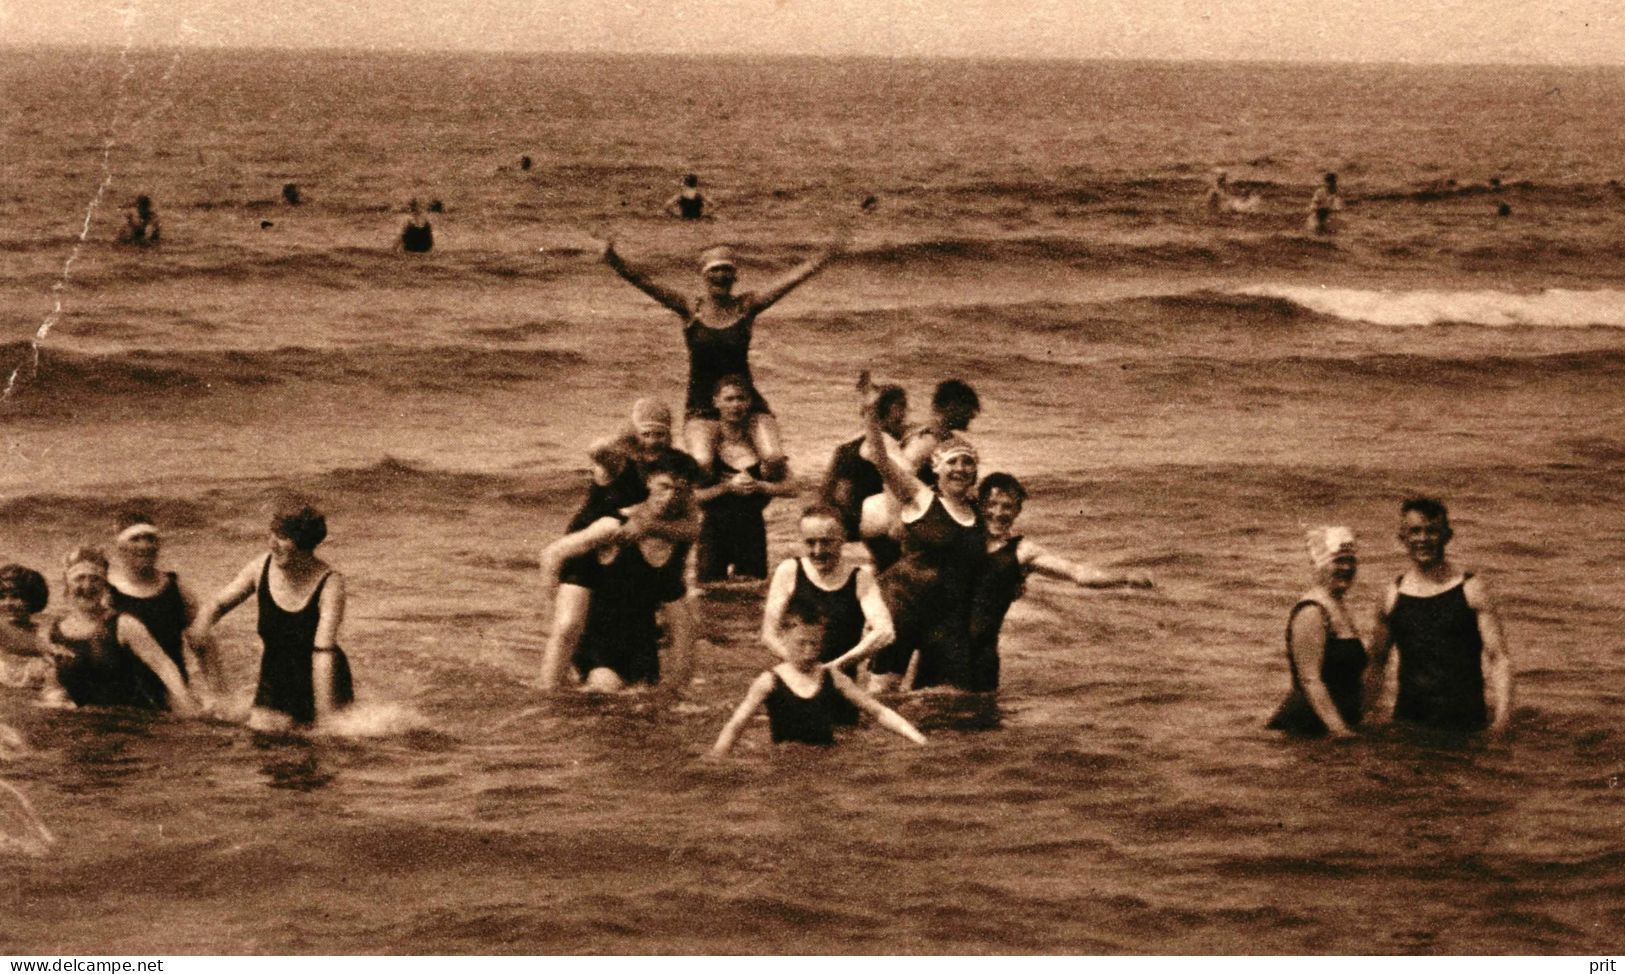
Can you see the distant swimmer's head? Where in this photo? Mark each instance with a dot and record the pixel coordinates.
(956, 404)
(954, 462)
(1220, 177)
(1333, 555)
(84, 573)
(1331, 181)
(668, 480)
(296, 526)
(651, 424)
(691, 181)
(143, 206)
(719, 269)
(1000, 496)
(823, 534)
(137, 540)
(23, 593)
(732, 398)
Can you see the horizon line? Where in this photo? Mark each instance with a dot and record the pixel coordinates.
(793, 55)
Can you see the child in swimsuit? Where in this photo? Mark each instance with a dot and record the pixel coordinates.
(806, 700)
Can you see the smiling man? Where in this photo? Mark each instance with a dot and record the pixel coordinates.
(1454, 668)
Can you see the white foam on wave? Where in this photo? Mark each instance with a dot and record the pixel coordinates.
(1551, 308)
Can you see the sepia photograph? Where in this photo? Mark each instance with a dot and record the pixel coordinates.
(812, 477)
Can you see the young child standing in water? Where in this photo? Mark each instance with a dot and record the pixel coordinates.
(806, 700)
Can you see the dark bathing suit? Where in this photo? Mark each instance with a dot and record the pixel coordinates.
(837, 613)
(103, 672)
(690, 207)
(714, 353)
(163, 614)
(928, 593)
(732, 531)
(808, 720)
(1441, 672)
(417, 238)
(621, 633)
(864, 481)
(1001, 581)
(287, 683)
(1342, 667)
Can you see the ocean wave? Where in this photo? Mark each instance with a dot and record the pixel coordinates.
(73, 379)
(1551, 308)
(1279, 250)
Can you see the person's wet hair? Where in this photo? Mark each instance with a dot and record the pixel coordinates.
(821, 511)
(1001, 481)
(734, 380)
(1429, 507)
(889, 397)
(27, 584)
(691, 180)
(300, 523)
(955, 392)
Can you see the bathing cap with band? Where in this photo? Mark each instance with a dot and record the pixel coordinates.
(1327, 544)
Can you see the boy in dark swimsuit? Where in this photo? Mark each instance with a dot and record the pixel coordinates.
(1455, 671)
(805, 700)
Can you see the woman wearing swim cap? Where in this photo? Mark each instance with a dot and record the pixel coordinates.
(717, 326)
(105, 658)
(1327, 656)
(164, 605)
(928, 591)
(304, 675)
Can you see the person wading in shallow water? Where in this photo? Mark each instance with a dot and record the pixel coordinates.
(689, 203)
(634, 581)
(806, 700)
(304, 675)
(821, 589)
(717, 328)
(1455, 671)
(104, 658)
(1322, 645)
(417, 235)
(1003, 576)
(736, 492)
(159, 599)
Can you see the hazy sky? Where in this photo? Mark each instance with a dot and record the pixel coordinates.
(1450, 31)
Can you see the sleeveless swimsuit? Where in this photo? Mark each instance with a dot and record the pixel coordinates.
(717, 352)
(1441, 673)
(690, 207)
(102, 672)
(838, 613)
(1001, 581)
(732, 530)
(287, 683)
(621, 633)
(928, 593)
(163, 614)
(1342, 667)
(808, 720)
(417, 238)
